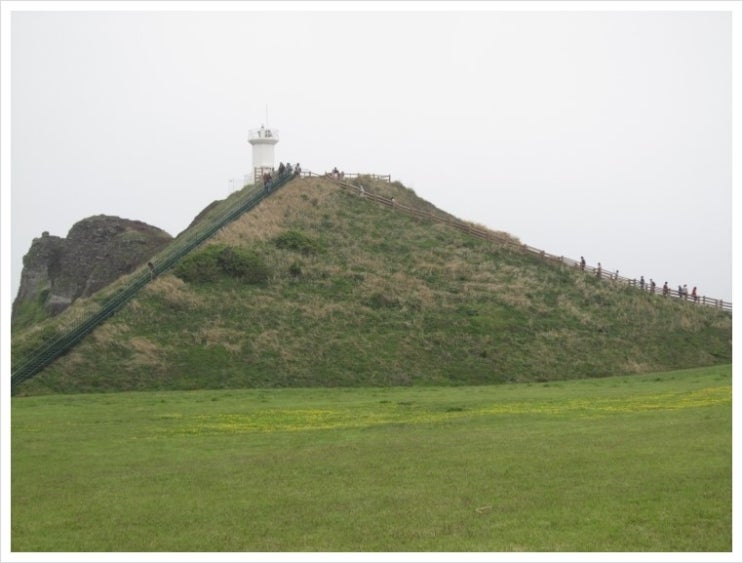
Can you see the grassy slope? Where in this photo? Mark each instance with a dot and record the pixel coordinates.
(380, 298)
(615, 464)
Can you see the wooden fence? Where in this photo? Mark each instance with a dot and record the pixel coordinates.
(468, 228)
(342, 176)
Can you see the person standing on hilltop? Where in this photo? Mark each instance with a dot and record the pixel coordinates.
(582, 263)
(281, 168)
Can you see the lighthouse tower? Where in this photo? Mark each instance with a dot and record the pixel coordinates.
(263, 141)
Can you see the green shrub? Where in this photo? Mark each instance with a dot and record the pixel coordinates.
(201, 266)
(295, 240)
(243, 264)
(216, 261)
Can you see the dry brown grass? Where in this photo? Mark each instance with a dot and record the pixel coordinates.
(107, 334)
(275, 214)
(634, 367)
(319, 310)
(500, 236)
(81, 309)
(173, 291)
(216, 335)
(571, 309)
(269, 340)
(144, 353)
(415, 288)
(518, 300)
(687, 320)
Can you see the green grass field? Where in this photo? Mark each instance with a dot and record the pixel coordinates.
(633, 463)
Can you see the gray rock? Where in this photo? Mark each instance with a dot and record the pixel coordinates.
(96, 251)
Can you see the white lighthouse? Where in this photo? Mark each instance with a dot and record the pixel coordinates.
(263, 141)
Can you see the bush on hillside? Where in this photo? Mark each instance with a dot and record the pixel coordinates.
(243, 264)
(216, 261)
(295, 240)
(200, 266)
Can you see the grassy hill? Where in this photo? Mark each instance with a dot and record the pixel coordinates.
(319, 287)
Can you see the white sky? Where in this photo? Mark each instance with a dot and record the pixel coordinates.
(605, 134)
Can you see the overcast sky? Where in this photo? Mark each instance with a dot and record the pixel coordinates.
(605, 134)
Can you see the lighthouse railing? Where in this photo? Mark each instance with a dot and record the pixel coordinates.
(263, 133)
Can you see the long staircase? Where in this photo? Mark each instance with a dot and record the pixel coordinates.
(40, 358)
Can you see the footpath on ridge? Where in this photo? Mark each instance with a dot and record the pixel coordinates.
(40, 358)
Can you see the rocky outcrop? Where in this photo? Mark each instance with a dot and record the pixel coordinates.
(97, 251)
